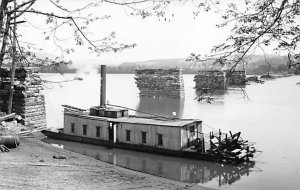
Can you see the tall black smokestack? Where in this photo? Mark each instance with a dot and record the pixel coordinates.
(103, 86)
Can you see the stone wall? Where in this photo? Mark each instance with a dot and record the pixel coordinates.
(236, 78)
(160, 82)
(219, 79)
(210, 80)
(28, 101)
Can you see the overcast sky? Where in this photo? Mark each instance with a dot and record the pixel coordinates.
(174, 38)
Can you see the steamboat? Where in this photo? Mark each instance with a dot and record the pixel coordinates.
(112, 126)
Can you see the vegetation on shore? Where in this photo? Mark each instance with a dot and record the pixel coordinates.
(257, 66)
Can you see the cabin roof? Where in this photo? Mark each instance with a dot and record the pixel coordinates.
(139, 120)
(156, 121)
(108, 109)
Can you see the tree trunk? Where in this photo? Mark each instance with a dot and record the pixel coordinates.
(3, 7)
(13, 65)
(4, 40)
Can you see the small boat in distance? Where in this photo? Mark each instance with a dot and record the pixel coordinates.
(111, 125)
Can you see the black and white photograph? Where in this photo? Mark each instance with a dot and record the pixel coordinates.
(150, 94)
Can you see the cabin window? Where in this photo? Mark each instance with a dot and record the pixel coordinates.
(144, 137)
(108, 114)
(127, 135)
(101, 113)
(72, 127)
(160, 140)
(84, 129)
(98, 131)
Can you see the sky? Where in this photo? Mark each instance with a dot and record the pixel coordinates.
(156, 39)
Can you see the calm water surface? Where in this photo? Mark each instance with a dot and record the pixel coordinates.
(269, 117)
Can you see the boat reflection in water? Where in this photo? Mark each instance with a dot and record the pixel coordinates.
(179, 169)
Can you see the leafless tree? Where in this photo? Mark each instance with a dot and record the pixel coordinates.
(14, 12)
(255, 24)
(267, 22)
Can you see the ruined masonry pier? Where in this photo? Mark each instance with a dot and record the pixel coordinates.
(216, 79)
(160, 82)
(210, 80)
(28, 101)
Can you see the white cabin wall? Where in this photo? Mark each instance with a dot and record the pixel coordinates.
(174, 138)
(186, 134)
(171, 135)
(67, 124)
(91, 127)
(183, 137)
(171, 138)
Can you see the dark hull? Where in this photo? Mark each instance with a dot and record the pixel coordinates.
(185, 154)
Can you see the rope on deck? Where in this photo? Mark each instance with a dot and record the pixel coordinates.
(209, 126)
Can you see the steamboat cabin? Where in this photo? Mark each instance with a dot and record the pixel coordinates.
(115, 127)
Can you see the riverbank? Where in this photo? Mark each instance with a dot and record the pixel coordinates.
(37, 165)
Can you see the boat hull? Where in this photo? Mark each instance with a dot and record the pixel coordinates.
(141, 148)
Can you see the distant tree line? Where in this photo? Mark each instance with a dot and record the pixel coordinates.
(251, 70)
(257, 66)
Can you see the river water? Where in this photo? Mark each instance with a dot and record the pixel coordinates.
(267, 114)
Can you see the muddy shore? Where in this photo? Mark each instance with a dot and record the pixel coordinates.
(37, 165)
